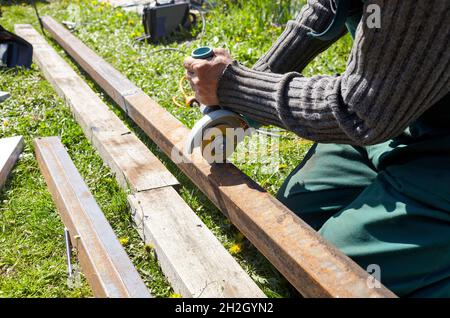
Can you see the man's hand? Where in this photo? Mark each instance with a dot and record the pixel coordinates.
(204, 75)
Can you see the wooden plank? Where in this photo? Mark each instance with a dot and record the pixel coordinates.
(131, 161)
(3, 96)
(312, 265)
(105, 263)
(128, 155)
(10, 150)
(156, 220)
(140, 169)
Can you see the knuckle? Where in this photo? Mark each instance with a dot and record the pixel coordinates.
(202, 67)
(198, 67)
(187, 63)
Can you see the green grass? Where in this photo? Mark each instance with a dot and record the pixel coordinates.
(32, 259)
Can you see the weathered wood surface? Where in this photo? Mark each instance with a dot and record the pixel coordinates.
(139, 168)
(151, 214)
(10, 150)
(190, 261)
(312, 265)
(131, 161)
(105, 263)
(3, 96)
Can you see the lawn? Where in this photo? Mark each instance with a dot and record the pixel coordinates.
(32, 251)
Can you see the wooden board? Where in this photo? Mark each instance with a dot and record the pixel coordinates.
(10, 150)
(312, 265)
(135, 164)
(139, 169)
(3, 96)
(157, 220)
(105, 263)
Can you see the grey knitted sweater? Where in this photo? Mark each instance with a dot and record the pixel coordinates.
(393, 75)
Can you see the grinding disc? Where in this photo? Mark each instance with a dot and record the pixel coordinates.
(221, 120)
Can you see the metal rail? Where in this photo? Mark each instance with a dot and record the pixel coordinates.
(105, 263)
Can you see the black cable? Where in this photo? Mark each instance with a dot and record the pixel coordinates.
(167, 49)
(33, 3)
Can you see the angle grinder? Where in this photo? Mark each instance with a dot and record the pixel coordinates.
(217, 132)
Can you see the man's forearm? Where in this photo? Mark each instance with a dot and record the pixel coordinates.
(394, 75)
(294, 49)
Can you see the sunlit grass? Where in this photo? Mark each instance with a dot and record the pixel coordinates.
(32, 259)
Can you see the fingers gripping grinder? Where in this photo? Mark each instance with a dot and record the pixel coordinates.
(219, 131)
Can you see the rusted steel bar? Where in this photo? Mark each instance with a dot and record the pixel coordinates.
(193, 260)
(312, 265)
(105, 263)
(10, 150)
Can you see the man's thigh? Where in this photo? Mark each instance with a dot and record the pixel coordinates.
(401, 222)
(329, 178)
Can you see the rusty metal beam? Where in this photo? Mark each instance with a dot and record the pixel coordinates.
(312, 265)
(10, 150)
(105, 263)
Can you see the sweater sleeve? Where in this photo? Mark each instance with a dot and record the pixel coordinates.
(294, 49)
(393, 75)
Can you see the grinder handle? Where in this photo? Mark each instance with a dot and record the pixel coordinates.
(204, 53)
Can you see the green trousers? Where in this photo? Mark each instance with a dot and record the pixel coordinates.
(387, 204)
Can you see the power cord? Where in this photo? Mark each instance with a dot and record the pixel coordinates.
(188, 99)
(33, 4)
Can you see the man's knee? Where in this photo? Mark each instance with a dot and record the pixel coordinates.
(344, 233)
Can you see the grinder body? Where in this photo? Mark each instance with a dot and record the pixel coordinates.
(217, 132)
